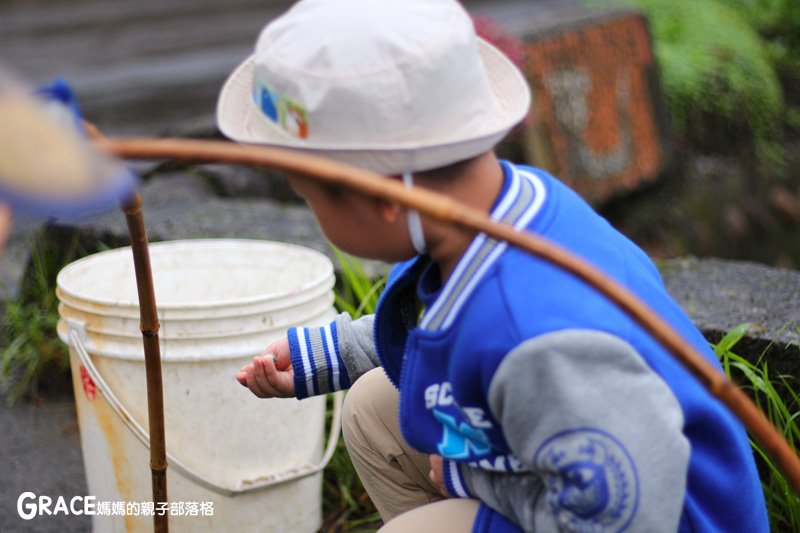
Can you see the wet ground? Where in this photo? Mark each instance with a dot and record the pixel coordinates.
(41, 453)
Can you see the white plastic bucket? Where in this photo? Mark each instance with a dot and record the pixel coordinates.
(236, 462)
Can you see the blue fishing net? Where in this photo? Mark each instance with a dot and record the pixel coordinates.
(48, 167)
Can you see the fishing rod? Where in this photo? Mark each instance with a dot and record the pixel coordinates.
(444, 209)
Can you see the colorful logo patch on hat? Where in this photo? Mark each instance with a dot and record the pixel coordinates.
(282, 111)
(265, 101)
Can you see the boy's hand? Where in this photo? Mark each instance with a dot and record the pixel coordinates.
(270, 375)
(436, 474)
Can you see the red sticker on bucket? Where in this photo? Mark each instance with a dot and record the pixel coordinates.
(89, 388)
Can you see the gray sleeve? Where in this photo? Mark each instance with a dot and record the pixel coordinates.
(599, 430)
(357, 344)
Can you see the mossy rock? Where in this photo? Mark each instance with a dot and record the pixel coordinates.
(721, 88)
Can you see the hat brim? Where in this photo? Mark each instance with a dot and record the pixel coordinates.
(240, 120)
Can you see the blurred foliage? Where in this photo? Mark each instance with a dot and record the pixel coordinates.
(778, 22)
(357, 292)
(718, 79)
(33, 360)
(30, 350)
(30, 346)
(346, 504)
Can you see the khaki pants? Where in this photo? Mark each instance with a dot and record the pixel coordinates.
(394, 474)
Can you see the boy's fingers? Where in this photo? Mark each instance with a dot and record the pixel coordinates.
(269, 351)
(281, 352)
(264, 374)
(252, 385)
(283, 360)
(241, 376)
(281, 380)
(264, 378)
(257, 382)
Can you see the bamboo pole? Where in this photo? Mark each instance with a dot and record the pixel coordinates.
(149, 326)
(152, 358)
(444, 209)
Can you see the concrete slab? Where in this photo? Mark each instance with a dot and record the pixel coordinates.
(720, 294)
(40, 452)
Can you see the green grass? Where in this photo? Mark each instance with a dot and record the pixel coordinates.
(346, 505)
(31, 350)
(357, 292)
(776, 395)
(31, 347)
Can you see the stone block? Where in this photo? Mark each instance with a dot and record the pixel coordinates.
(597, 120)
(720, 294)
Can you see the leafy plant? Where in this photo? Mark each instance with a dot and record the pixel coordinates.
(31, 349)
(346, 504)
(358, 291)
(777, 397)
(778, 22)
(720, 86)
(30, 346)
(31, 354)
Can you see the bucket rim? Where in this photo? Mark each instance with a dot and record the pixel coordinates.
(227, 308)
(174, 350)
(168, 328)
(325, 277)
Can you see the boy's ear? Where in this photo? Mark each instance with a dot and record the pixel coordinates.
(388, 211)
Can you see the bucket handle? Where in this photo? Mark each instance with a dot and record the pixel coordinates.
(77, 334)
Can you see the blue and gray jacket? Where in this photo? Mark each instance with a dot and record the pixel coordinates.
(548, 403)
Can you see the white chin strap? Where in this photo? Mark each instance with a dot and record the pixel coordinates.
(414, 222)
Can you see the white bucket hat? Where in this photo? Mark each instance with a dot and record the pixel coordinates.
(391, 86)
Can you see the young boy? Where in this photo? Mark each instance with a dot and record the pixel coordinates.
(510, 395)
